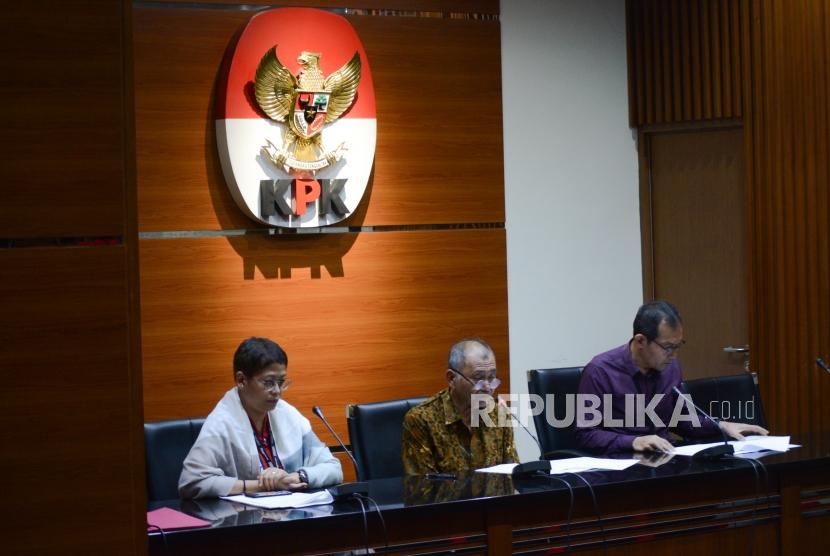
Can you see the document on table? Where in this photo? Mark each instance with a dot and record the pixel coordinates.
(293, 500)
(760, 443)
(569, 465)
(749, 445)
(576, 465)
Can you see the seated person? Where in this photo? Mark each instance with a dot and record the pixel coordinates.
(253, 440)
(646, 365)
(439, 436)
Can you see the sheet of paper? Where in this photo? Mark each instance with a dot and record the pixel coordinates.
(293, 500)
(570, 465)
(576, 465)
(749, 445)
(761, 443)
(503, 468)
(692, 449)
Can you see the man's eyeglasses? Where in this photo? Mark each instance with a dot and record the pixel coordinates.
(480, 384)
(270, 384)
(670, 348)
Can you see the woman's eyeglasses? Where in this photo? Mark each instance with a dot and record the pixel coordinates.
(270, 384)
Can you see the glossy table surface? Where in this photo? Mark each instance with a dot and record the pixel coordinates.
(403, 492)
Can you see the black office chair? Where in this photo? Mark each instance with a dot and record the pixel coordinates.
(166, 444)
(731, 398)
(375, 431)
(556, 443)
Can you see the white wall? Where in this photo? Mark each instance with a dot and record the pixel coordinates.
(571, 190)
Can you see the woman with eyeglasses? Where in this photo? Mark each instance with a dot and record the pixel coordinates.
(253, 440)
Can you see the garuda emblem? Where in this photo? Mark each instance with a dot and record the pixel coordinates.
(305, 103)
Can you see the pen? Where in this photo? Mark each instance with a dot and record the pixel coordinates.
(441, 476)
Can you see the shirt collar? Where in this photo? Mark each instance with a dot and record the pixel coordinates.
(631, 368)
(450, 413)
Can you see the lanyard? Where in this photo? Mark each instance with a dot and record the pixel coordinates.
(267, 455)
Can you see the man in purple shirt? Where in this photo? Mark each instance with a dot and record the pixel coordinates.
(646, 365)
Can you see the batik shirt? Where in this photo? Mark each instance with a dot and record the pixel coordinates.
(435, 439)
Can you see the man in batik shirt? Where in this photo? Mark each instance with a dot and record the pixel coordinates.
(441, 435)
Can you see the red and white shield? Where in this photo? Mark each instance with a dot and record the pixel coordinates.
(243, 129)
(310, 108)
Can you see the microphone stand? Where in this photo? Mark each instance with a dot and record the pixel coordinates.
(553, 454)
(344, 490)
(713, 452)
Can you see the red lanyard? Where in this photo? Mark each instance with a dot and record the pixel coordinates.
(265, 446)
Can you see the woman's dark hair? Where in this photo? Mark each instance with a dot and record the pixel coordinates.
(254, 354)
(650, 315)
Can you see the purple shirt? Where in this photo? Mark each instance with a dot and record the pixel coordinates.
(614, 372)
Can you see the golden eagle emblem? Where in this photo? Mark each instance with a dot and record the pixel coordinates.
(306, 103)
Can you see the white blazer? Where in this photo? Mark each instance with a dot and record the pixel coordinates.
(225, 450)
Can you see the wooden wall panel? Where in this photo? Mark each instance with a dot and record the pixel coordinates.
(436, 6)
(379, 330)
(364, 316)
(685, 63)
(790, 186)
(71, 403)
(61, 105)
(64, 405)
(772, 69)
(439, 152)
(178, 54)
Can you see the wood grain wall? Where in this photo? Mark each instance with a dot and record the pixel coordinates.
(70, 404)
(771, 70)
(686, 60)
(366, 315)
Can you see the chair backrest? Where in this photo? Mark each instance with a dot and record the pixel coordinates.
(375, 431)
(558, 382)
(731, 398)
(166, 444)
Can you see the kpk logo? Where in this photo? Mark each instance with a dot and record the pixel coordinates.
(297, 142)
(308, 101)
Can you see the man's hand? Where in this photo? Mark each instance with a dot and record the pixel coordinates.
(651, 443)
(738, 430)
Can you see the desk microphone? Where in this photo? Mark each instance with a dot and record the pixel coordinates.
(543, 456)
(822, 364)
(535, 468)
(347, 489)
(527, 430)
(712, 452)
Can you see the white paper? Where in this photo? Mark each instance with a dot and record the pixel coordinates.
(577, 465)
(503, 468)
(692, 449)
(761, 443)
(293, 500)
(570, 465)
(749, 445)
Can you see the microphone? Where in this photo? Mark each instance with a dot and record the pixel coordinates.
(532, 469)
(527, 430)
(712, 452)
(535, 468)
(345, 490)
(822, 364)
(561, 453)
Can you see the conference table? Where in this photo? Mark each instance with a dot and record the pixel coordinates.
(779, 505)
